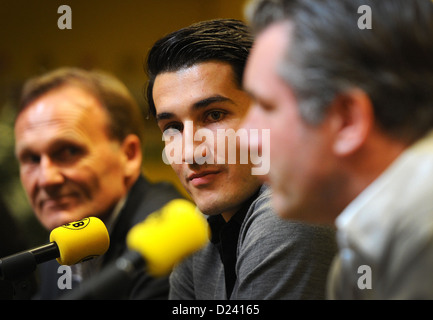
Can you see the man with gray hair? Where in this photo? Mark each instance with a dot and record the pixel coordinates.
(351, 113)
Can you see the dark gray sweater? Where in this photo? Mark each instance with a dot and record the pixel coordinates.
(276, 259)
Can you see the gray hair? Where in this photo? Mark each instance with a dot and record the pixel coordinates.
(392, 62)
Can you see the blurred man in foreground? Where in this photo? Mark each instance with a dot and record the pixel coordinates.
(345, 87)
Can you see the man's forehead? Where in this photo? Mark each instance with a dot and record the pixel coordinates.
(63, 110)
(275, 38)
(266, 55)
(193, 88)
(63, 100)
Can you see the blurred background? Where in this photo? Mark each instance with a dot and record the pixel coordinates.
(112, 35)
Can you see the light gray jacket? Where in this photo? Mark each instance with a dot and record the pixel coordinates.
(386, 234)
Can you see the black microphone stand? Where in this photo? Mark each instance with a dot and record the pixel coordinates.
(113, 282)
(21, 264)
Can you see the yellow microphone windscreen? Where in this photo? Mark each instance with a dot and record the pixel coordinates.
(168, 235)
(80, 240)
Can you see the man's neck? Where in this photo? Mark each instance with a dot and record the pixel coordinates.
(370, 162)
(227, 215)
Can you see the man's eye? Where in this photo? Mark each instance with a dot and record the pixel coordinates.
(173, 128)
(264, 106)
(30, 159)
(68, 153)
(215, 115)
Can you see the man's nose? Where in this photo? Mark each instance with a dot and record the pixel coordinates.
(49, 173)
(251, 123)
(197, 148)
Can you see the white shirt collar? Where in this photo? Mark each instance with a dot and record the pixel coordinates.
(113, 217)
(400, 188)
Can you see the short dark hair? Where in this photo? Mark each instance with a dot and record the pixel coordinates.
(392, 62)
(226, 40)
(124, 114)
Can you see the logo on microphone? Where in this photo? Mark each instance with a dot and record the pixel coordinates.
(77, 225)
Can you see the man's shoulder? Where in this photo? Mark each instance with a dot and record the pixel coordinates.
(144, 198)
(151, 196)
(261, 207)
(263, 199)
(158, 190)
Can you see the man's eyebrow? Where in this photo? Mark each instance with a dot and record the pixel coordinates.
(208, 101)
(57, 144)
(197, 105)
(164, 116)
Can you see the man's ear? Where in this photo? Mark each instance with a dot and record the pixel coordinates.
(131, 148)
(352, 117)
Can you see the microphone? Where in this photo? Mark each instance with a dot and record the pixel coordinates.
(69, 244)
(162, 240)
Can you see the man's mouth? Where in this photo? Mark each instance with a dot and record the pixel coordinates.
(55, 201)
(202, 178)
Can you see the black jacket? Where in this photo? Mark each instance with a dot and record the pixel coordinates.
(144, 198)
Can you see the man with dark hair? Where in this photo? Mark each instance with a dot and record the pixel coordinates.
(78, 142)
(351, 111)
(195, 77)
